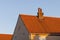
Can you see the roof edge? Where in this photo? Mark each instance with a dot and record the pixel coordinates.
(27, 15)
(37, 17)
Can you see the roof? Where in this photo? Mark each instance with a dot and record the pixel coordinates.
(47, 25)
(5, 37)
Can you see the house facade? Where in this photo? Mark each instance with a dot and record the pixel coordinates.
(38, 27)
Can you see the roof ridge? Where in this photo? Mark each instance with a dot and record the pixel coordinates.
(26, 15)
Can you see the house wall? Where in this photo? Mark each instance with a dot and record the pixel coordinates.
(37, 36)
(43, 37)
(20, 32)
(53, 38)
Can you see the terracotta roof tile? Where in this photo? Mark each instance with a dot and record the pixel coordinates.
(47, 25)
(5, 37)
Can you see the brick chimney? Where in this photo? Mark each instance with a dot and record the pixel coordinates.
(40, 13)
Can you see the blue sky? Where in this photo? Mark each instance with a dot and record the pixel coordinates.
(10, 9)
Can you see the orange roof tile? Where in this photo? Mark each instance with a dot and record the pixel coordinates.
(47, 25)
(5, 37)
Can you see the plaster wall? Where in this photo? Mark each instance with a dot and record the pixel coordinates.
(20, 32)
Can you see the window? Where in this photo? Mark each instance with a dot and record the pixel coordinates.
(36, 37)
(31, 36)
(42, 38)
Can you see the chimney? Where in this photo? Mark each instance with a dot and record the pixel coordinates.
(40, 13)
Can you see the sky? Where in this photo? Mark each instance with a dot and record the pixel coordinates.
(10, 10)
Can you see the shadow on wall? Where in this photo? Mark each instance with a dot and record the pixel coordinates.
(53, 38)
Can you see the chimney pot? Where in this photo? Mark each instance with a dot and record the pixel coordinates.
(40, 13)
